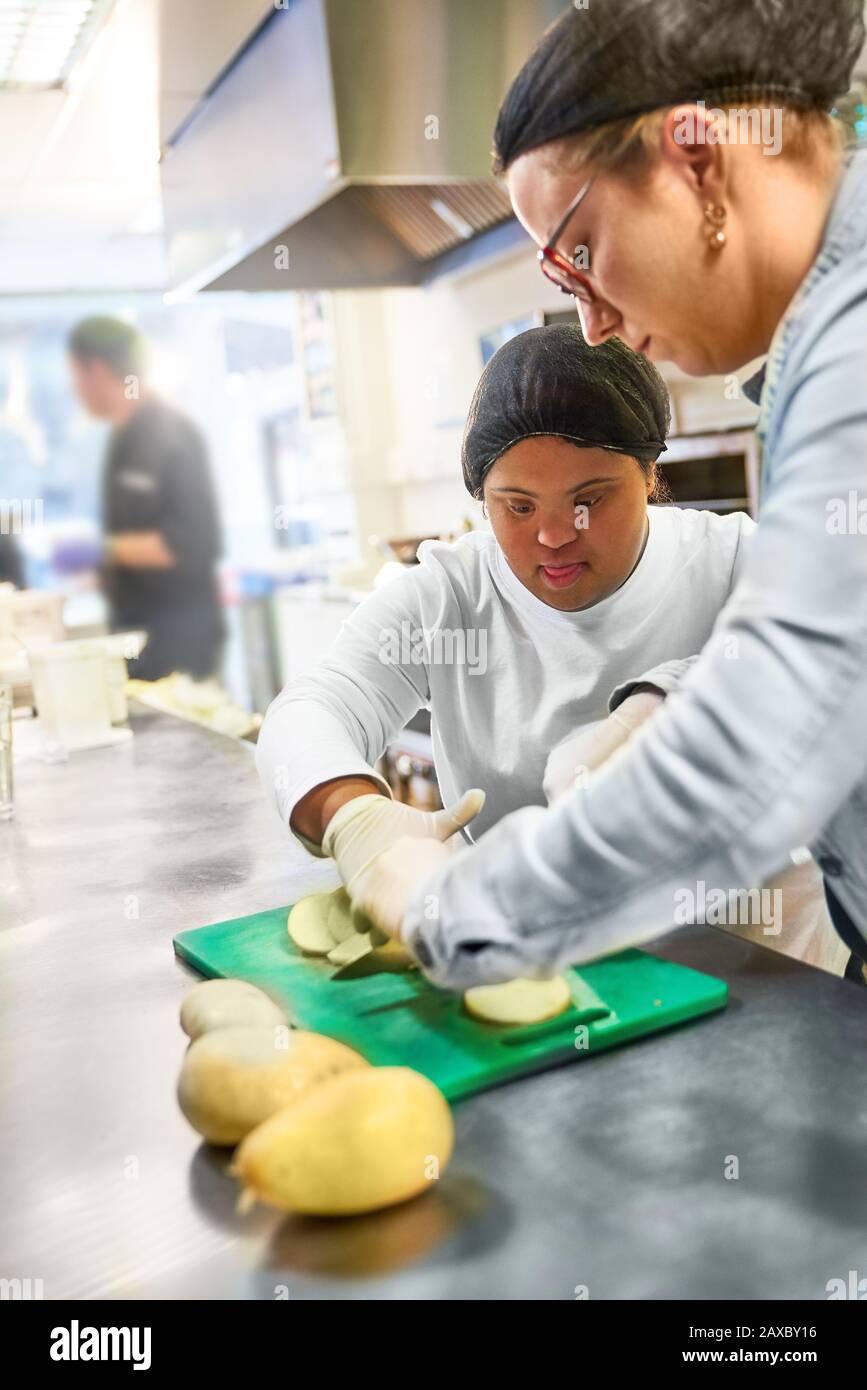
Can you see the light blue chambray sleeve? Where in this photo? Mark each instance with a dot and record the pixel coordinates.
(766, 739)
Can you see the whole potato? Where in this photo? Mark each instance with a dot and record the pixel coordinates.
(224, 1003)
(234, 1078)
(364, 1140)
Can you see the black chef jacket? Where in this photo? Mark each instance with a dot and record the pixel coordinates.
(157, 478)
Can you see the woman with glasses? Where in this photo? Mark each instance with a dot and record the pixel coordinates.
(680, 168)
(517, 638)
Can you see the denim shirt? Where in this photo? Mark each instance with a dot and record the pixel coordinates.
(764, 747)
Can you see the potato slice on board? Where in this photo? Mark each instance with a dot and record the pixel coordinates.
(326, 924)
(519, 1001)
(353, 948)
(341, 926)
(308, 924)
(393, 953)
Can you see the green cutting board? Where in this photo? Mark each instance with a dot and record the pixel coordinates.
(401, 1019)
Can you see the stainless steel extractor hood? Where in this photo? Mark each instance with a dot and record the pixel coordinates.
(348, 145)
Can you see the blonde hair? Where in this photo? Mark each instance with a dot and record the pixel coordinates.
(815, 139)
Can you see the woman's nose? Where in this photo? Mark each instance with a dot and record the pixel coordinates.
(598, 321)
(557, 531)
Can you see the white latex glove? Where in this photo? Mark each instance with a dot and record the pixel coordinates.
(363, 828)
(384, 891)
(570, 764)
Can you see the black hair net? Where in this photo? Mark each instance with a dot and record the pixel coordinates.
(620, 58)
(548, 381)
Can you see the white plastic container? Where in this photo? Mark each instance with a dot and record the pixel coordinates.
(7, 805)
(116, 675)
(71, 694)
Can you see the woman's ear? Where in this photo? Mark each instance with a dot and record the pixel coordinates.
(690, 143)
(650, 480)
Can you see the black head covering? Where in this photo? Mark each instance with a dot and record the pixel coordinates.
(548, 381)
(620, 58)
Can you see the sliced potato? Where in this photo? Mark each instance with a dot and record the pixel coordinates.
(341, 926)
(393, 953)
(234, 1078)
(519, 1001)
(308, 924)
(364, 1140)
(325, 924)
(223, 1003)
(353, 948)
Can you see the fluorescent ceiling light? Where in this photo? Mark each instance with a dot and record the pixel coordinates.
(42, 40)
(452, 219)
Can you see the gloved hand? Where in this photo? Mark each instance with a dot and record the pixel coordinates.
(383, 892)
(77, 555)
(572, 761)
(363, 828)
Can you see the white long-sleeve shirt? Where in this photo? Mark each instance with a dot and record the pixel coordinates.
(505, 676)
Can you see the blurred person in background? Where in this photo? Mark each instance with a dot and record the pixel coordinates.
(159, 511)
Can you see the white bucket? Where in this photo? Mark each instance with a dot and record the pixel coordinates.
(116, 675)
(71, 694)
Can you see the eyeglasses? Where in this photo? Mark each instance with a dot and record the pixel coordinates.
(558, 268)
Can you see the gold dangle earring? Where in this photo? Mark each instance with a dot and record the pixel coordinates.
(715, 217)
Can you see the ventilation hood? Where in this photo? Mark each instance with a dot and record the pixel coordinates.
(348, 145)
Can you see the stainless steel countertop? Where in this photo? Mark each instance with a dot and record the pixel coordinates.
(608, 1173)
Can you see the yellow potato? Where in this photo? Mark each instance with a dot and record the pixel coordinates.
(393, 953)
(308, 924)
(392, 956)
(353, 948)
(234, 1078)
(519, 1001)
(340, 922)
(362, 1141)
(325, 924)
(224, 1003)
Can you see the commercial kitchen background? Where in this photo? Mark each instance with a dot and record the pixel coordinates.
(298, 214)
